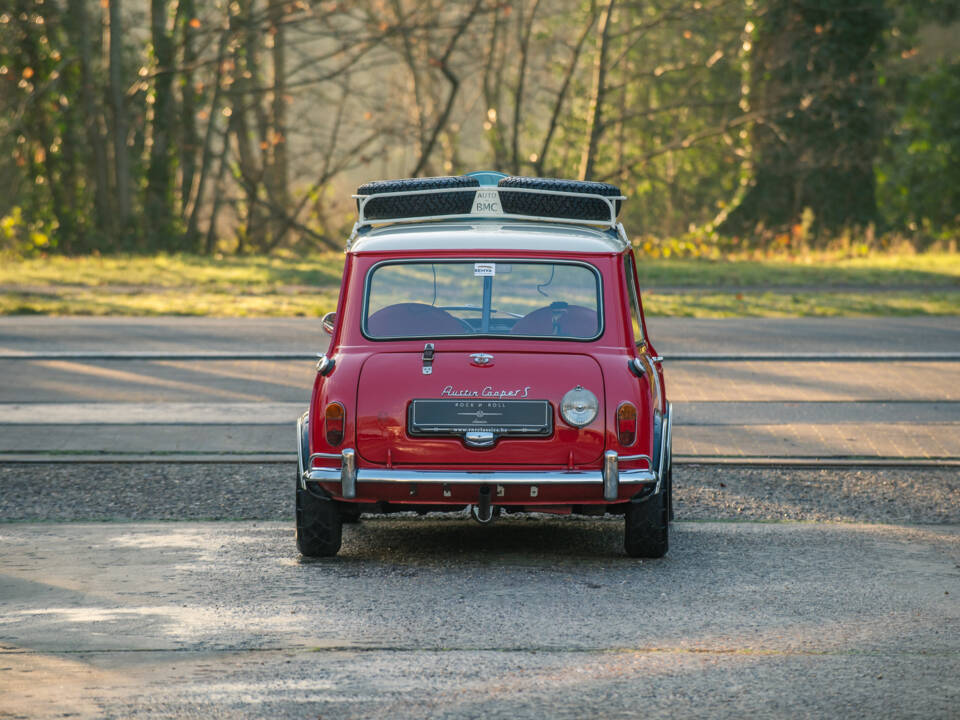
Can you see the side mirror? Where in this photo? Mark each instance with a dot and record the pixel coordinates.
(328, 322)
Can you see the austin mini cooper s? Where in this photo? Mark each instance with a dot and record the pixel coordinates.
(488, 354)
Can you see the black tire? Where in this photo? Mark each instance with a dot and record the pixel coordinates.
(349, 514)
(457, 203)
(319, 525)
(559, 206)
(646, 526)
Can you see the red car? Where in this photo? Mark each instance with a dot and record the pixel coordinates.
(488, 352)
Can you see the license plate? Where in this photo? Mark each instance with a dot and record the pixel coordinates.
(501, 417)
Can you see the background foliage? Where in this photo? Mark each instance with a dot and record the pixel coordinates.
(243, 126)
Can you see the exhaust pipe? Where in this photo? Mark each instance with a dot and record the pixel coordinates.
(483, 511)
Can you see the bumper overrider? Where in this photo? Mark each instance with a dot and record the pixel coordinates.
(610, 478)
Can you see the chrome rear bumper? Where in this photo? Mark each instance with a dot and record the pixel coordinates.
(610, 478)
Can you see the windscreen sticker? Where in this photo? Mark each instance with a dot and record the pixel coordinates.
(484, 269)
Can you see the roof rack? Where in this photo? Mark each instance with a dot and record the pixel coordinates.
(486, 204)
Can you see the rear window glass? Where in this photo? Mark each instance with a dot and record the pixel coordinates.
(502, 298)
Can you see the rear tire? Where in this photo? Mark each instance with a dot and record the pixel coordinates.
(646, 526)
(319, 525)
(349, 514)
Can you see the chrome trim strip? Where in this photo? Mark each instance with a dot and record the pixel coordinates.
(301, 423)
(503, 477)
(634, 458)
(665, 433)
(324, 456)
(646, 361)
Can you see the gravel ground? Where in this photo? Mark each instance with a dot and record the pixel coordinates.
(201, 491)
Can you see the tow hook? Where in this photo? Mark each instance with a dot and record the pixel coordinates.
(483, 511)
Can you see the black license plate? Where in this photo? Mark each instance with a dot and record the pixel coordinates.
(501, 417)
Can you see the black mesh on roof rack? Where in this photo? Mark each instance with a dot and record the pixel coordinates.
(382, 208)
(558, 206)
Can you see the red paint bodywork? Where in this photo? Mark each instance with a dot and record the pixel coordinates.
(374, 380)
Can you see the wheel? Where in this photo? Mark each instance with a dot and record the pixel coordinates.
(564, 206)
(319, 526)
(349, 515)
(646, 526)
(400, 206)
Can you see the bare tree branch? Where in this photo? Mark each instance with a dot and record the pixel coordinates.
(594, 119)
(453, 80)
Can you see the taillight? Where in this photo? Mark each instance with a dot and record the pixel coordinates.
(626, 424)
(333, 422)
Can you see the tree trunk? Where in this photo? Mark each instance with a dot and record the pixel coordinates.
(80, 34)
(190, 138)
(49, 166)
(206, 160)
(159, 199)
(595, 113)
(417, 107)
(211, 239)
(121, 126)
(253, 168)
(541, 162)
(454, 82)
(492, 93)
(279, 190)
(525, 30)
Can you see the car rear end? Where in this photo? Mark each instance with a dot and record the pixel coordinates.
(454, 389)
(488, 366)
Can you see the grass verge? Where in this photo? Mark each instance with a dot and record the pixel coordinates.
(805, 304)
(893, 284)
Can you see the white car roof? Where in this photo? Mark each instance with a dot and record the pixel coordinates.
(489, 235)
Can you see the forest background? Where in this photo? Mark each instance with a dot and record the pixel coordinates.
(242, 127)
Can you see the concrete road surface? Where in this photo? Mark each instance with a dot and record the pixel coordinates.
(670, 335)
(897, 411)
(528, 618)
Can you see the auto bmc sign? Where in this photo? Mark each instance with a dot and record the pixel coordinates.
(487, 202)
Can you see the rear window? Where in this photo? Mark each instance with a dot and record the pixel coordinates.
(517, 299)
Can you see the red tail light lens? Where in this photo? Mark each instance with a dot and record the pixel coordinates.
(626, 424)
(333, 422)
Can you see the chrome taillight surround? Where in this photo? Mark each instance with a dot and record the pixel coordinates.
(579, 407)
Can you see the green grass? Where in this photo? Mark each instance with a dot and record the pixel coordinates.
(804, 304)
(925, 270)
(174, 302)
(824, 285)
(231, 274)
